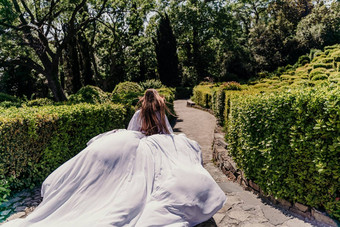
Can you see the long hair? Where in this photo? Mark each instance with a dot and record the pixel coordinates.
(152, 113)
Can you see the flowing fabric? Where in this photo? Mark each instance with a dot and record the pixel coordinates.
(124, 178)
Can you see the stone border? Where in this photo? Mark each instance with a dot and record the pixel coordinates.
(224, 161)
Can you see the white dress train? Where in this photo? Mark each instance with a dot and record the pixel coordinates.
(124, 178)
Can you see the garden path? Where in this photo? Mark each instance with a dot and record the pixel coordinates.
(243, 208)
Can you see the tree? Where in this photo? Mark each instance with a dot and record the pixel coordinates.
(45, 31)
(166, 51)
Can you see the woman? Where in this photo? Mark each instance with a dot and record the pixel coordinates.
(142, 176)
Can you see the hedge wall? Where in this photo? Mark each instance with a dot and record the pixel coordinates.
(289, 144)
(36, 140)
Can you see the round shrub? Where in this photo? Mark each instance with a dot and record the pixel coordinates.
(127, 87)
(89, 94)
(127, 93)
(151, 84)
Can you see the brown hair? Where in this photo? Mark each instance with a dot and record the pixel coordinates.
(151, 104)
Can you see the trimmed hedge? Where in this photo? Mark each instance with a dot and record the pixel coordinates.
(89, 94)
(289, 144)
(127, 93)
(34, 141)
(202, 95)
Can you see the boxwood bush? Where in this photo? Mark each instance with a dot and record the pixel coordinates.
(89, 94)
(127, 92)
(34, 141)
(289, 143)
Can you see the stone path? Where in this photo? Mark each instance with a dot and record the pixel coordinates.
(243, 208)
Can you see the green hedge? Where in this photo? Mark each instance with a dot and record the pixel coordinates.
(289, 144)
(202, 95)
(34, 141)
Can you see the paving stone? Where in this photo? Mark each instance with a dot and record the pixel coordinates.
(296, 222)
(218, 217)
(274, 215)
(301, 207)
(228, 187)
(247, 207)
(323, 218)
(252, 224)
(233, 200)
(238, 215)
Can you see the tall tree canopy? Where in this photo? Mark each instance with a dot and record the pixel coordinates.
(67, 44)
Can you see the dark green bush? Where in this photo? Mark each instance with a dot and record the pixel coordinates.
(6, 97)
(151, 84)
(183, 92)
(7, 104)
(34, 141)
(89, 94)
(288, 143)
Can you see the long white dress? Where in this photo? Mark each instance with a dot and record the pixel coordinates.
(124, 178)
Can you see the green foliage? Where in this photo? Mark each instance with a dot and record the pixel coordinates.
(202, 95)
(183, 92)
(40, 102)
(126, 87)
(151, 84)
(34, 141)
(231, 86)
(288, 143)
(323, 65)
(278, 136)
(320, 77)
(303, 59)
(7, 104)
(89, 94)
(6, 97)
(317, 71)
(127, 93)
